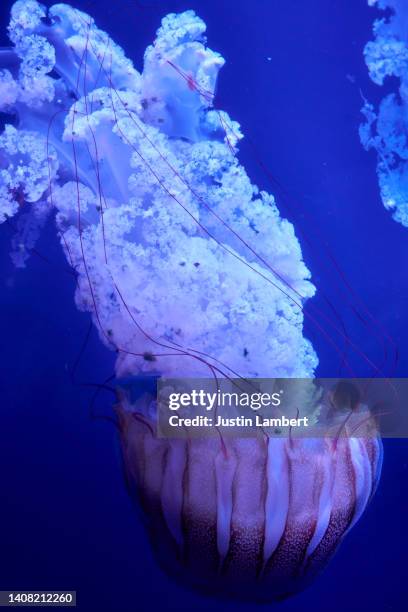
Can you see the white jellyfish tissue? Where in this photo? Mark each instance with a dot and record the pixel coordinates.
(181, 260)
(385, 129)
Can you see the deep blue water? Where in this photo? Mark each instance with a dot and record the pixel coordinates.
(66, 520)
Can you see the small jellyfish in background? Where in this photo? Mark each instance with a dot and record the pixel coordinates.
(386, 129)
(187, 270)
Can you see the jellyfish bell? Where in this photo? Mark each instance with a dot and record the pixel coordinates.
(249, 518)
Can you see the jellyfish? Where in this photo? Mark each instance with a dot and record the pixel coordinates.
(385, 129)
(188, 270)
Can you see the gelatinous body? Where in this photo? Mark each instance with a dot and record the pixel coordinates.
(178, 256)
(249, 518)
(385, 129)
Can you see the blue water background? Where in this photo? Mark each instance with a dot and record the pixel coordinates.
(66, 520)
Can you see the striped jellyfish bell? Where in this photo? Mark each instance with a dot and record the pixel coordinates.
(250, 518)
